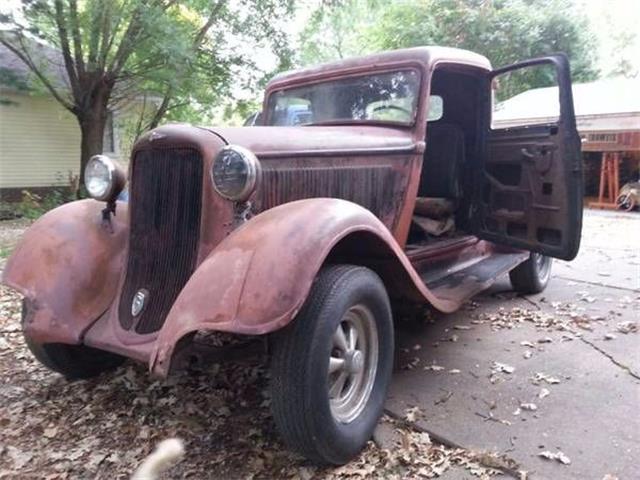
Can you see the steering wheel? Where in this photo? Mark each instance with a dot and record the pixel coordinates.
(391, 107)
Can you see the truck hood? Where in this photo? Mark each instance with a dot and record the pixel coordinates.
(273, 141)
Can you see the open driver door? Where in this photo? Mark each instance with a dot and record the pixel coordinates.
(531, 184)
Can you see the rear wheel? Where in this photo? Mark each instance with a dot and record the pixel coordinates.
(332, 366)
(532, 276)
(72, 361)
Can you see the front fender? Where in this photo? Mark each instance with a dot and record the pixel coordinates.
(257, 279)
(67, 265)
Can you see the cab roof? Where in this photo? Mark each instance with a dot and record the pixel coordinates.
(425, 56)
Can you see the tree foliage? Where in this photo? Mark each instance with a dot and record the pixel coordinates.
(335, 30)
(179, 57)
(505, 31)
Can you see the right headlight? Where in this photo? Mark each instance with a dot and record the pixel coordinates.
(103, 178)
(235, 172)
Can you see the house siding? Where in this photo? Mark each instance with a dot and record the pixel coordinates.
(39, 142)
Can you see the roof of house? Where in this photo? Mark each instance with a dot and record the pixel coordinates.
(44, 56)
(609, 96)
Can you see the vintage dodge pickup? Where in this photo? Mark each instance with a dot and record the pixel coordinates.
(372, 185)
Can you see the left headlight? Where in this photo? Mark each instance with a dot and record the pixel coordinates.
(235, 173)
(103, 178)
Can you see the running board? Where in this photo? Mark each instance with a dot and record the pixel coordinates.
(472, 278)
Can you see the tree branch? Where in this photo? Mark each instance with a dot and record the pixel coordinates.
(208, 24)
(94, 38)
(66, 50)
(75, 35)
(128, 41)
(107, 37)
(162, 109)
(141, 117)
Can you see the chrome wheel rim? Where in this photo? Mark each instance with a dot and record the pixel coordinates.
(543, 266)
(352, 364)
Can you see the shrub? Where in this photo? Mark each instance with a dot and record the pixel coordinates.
(33, 205)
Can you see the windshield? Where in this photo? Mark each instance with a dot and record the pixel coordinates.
(382, 97)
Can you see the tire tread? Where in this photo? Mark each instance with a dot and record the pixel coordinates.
(290, 365)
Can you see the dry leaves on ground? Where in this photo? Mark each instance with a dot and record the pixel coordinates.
(103, 428)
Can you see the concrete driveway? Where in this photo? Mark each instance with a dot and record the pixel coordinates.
(554, 372)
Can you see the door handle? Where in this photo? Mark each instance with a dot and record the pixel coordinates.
(527, 154)
(542, 159)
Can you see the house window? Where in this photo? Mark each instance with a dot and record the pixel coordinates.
(108, 140)
(602, 137)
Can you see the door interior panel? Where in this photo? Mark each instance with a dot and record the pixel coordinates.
(531, 180)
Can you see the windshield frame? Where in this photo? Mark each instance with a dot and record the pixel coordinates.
(353, 73)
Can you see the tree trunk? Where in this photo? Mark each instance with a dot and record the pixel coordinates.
(90, 144)
(92, 123)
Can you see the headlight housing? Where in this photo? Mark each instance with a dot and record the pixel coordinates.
(235, 173)
(103, 178)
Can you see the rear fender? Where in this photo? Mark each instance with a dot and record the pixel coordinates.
(257, 279)
(67, 266)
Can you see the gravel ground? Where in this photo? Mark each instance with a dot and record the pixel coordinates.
(102, 428)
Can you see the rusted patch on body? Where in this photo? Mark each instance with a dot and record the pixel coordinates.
(268, 266)
(68, 265)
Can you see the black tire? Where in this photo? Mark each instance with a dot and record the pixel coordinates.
(72, 361)
(300, 366)
(531, 276)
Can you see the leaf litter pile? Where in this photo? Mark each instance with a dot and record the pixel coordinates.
(104, 427)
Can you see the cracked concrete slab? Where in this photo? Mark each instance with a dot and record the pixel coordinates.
(591, 415)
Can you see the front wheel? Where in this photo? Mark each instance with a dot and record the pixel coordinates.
(531, 276)
(331, 367)
(72, 361)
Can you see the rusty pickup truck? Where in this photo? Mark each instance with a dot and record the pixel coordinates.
(372, 185)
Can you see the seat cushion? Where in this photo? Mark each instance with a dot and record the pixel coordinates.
(434, 207)
(443, 159)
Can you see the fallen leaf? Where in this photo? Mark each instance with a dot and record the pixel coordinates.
(502, 367)
(558, 456)
(627, 327)
(18, 457)
(435, 368)
(543, 377)
(543, 393)
(412, 364)
(412, 413)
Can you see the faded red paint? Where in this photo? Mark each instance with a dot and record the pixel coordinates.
(263, 288)
(68, 265)
(252, 278)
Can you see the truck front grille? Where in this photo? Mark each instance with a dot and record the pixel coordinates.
(164, 209)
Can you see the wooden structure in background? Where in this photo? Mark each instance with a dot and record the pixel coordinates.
(608, 121)
(616, 147)
(609, 181)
